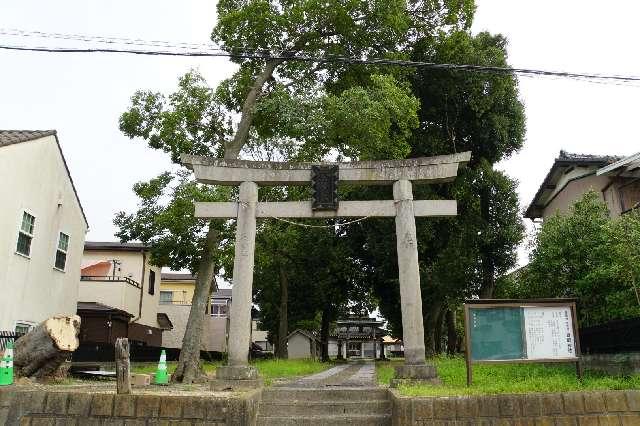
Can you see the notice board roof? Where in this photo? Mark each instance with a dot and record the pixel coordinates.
(523, 301)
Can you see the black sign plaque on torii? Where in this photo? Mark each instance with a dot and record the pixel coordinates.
(324, 187)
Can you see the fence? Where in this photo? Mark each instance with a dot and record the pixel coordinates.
(611, 337)
(8, 336)
(100, 352)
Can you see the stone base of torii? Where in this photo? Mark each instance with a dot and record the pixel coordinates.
(238, 374)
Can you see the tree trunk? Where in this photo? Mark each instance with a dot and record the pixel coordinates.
(452, 334)
(123, 366)
(488, 268)
(188, 368)
(42, 352)
(283, 330)
(437, 333)
(433, 311)
(232, 150)
(324, 332)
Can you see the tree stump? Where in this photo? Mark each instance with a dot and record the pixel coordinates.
(42, 352)
(123, 366)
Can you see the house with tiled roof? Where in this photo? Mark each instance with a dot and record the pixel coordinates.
(615, 178)
(176, 294)
(121, 277)
(42, 230)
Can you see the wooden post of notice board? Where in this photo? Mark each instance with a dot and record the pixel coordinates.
(467, 344)
(576, 335)
(524, 357)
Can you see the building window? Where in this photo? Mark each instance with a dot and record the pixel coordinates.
(61, 252)
(166, 297)
(152, 282)
(219, 310)
(25, 235)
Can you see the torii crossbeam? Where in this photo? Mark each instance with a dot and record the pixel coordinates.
(250, 174)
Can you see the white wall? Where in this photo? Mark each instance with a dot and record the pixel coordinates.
(33, 178)
(572, 192)
(299, 347)
(131, 267)
(117, 294)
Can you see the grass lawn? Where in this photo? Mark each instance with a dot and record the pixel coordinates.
(507, 378)
(285, 368)
(269, 369)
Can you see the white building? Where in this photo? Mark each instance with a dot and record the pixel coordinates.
(120, 276)
(42, 230)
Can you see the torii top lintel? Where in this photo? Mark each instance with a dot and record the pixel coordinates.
(217, 171)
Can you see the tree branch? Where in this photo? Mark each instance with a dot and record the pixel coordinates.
(233, 148)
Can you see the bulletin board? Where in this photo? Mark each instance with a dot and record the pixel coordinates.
(542, 330)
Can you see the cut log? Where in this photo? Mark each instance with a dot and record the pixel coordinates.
(123, 365)
(42, 352)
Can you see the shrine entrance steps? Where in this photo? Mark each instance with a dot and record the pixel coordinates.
(313, 406)
(344, 395)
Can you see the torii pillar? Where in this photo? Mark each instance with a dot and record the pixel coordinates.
(238, 374)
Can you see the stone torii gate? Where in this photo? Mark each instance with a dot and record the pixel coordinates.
(249, 175)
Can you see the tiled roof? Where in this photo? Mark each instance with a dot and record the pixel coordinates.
(99, 307)
(173, 276)
(114, 245)
(308, 334)
(10, 137)
(587, 158)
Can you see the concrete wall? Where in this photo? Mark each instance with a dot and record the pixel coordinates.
(33, 178)
(299, 347)
(214, 332)
(67, 407)
(625, 363)
(131, 267)
(256, 334)
(571, 408)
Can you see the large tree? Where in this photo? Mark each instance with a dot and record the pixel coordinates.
(459, 111)
(197, 120)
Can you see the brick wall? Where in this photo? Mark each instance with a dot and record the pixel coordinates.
(620, 408)
(31, 408)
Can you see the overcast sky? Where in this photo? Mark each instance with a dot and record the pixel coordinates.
(82, 95)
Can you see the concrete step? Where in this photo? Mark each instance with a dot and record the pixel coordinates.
(277, 394)
(326, 420)
(313, 408)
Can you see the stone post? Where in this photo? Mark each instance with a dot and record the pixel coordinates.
(410, 294)
(238, 374)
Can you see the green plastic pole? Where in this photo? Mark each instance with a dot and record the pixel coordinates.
(162, 378)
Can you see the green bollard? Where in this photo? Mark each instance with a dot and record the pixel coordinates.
(3, 372)
(162, 378)
(8, 353)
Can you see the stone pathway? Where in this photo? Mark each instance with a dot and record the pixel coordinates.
(345, 375)
(345, 395)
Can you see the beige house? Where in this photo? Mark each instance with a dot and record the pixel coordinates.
(42, 230)
(615, 179)
(120, 276)
(176, 293)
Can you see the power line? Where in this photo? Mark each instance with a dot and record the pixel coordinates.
(181, 49)
(104, 39)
